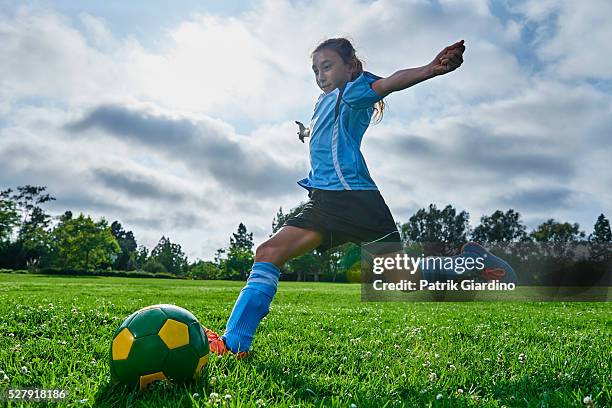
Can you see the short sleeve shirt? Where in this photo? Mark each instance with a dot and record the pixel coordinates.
(336, 162)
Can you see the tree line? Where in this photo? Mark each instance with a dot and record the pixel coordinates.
(30, 238)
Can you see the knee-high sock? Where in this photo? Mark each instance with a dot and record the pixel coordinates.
(252, 305)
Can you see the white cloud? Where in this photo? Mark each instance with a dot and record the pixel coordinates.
(574, 37)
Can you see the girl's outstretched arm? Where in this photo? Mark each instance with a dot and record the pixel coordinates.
(449, 59)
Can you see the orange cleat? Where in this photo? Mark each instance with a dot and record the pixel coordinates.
(495, 268)
(218, 347)
(492, 274)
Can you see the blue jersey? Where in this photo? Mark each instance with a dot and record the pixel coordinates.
(336, 162)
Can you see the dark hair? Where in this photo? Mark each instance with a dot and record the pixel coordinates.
(345, 49)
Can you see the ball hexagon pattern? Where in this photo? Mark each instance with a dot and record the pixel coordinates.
(158, 343)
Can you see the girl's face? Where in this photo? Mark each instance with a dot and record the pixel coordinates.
(330, 70)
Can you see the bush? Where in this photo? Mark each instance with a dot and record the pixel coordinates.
(153, 265)
(205, 270)
(104, 272)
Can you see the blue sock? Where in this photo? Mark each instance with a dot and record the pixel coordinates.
(252, 305)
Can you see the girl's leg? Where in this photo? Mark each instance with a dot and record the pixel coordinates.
(289, 242)
(253, 303)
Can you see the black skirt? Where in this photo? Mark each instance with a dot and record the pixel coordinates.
(358, 216)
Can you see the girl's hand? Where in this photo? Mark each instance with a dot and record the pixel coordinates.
(449, 59)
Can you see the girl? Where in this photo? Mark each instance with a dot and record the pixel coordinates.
(345, 204)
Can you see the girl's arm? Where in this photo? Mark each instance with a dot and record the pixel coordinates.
(449, 59)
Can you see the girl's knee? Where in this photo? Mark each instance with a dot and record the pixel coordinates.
(269, 253)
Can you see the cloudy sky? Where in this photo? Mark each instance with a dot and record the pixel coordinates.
(179, 119)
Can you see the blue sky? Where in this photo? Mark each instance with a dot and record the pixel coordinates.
(144, 20)
(178, 119)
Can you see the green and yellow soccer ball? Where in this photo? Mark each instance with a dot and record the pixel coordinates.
(158, 343)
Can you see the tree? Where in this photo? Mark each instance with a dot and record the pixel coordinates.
(557, 239)
(9, 218)
(240, 254)
(33, 216)
(601, 240)
(500, 227)
(601, 230)
(279, 220)
(171, 256)
(142, 254)
(33, 240)
(280, 217)
(552, 231)
(306, 264)
(81, 243)
(126, 261)
(444, 227)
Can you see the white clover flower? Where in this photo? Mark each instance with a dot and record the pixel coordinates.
(433, 376)
(212, 380)
(587, 400)
(452, 367)
(460, 391)
(352, 406)
(439, 397)
(214, 396)
(227, 397)
(11, 334)
(260, 403)
(25, 370)
(368, 354)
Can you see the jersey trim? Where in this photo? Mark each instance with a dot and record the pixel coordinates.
(335, 156)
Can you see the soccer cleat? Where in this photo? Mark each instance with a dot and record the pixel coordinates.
(218, 347)
(495, 268)
(493, 274)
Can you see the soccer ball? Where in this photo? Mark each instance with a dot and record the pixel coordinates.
(158, 343)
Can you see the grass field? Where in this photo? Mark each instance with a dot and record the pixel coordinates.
(320, 346)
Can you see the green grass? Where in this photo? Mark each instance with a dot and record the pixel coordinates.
(320, 345)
